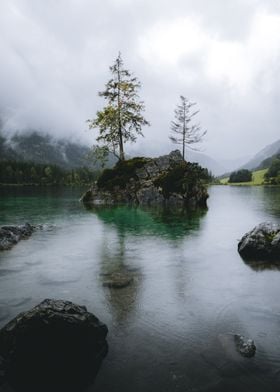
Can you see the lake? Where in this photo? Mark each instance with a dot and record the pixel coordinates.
(170, 330)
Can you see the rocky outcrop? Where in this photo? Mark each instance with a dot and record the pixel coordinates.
(11, 235)
(262, 243)
(57, 345)
(166, 180)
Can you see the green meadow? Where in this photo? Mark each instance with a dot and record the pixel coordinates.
(257, 179)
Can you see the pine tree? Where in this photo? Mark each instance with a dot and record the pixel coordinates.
(121, 120)
(183, 131)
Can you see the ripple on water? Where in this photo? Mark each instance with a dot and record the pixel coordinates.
(5, 272)
(57, 282)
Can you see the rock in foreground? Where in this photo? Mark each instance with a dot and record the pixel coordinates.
(166, 180)
(55, 346)
(262, 243)
(11, 235)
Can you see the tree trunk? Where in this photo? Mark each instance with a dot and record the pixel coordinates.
(121, 146)
(184, 131)
(119, 118)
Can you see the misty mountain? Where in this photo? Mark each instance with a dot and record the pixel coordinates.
(205, 161)
(231, 164)
(45, 149)
(265, 153)
(32, 146)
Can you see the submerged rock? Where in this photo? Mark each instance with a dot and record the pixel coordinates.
(245, 347)
(166, 180)
(11, 235)
(262, 243)
(57, 345)
(117, 280)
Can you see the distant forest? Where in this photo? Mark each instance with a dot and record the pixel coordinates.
(30, 173)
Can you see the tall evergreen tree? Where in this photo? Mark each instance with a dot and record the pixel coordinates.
(121, 120)
(183, 132)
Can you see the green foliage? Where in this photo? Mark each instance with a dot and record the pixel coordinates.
(183, 177)
(121, 173)
(273, 173)
(99, 155)
(257, 179)
(30, 173)
(121, 120)
(266, 163)
(242, 175)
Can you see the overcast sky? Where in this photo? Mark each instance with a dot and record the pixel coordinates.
(222, 54)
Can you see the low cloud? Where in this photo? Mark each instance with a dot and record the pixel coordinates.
(56, 55)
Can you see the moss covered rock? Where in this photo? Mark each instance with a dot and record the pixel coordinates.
(164, 180)
(262, 243)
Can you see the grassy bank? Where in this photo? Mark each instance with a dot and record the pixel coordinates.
(257, 179)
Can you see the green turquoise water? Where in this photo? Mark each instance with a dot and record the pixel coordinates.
(169, 330)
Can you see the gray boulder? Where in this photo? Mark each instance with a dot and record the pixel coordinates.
(11, 235)
(262, 243)
(167, 180)
(57, 345)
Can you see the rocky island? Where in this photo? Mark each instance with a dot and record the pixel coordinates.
(166, 180)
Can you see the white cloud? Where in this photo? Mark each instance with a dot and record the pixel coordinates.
(55, 57)
(169, 44)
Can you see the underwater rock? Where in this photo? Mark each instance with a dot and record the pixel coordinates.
(117, 280)
(245, 347)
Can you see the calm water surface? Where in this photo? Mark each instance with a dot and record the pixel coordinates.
(170, 329)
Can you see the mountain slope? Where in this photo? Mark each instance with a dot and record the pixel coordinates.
(265, 153)
(44, 149)
(205, 161)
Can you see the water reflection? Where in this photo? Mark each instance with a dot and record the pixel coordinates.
(121, 282)
(168, 327)
(125, 229)
(262, 265)
(271, 200)
(172, 223)
(38, 204)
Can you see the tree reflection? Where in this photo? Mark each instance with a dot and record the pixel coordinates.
(171, 223)
(121, 282)
(262, 265)
(124, 224)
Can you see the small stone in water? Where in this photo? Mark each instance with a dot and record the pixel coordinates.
(245, 347)
(118, 280)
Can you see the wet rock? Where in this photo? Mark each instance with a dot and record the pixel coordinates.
(11, 235)
(262, 243)
(149, 194)
(246, 347)
(55, 346)
(166, 180)
(117, 280)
